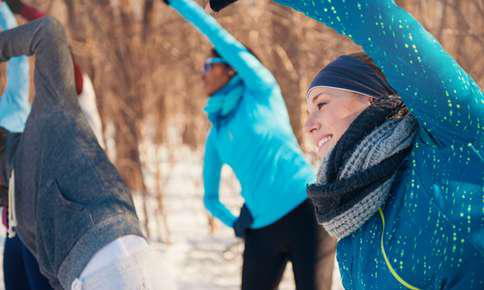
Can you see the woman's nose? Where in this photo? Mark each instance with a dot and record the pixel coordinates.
(311, 125)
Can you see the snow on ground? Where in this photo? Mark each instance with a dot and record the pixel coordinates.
(203, 260)
(200, 260)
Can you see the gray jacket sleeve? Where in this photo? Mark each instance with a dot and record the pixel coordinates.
(44, 38)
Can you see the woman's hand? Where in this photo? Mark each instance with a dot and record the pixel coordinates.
(208, 9)
(243, 222)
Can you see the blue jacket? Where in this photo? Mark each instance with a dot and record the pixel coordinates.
(14, 103)
(433, 236)
(256, 141)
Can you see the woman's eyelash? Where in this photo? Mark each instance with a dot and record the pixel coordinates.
(320, 105)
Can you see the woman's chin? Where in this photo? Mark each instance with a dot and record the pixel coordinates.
(324, 151)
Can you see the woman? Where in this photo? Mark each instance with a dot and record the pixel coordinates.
(402, 192)
(251, 133)
(20, 269)
(82, 228)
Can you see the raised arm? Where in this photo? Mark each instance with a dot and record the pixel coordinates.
(254, 74)
(212, 167)
(447, 101)
(31, 13)
(46, 39)
(14, 103)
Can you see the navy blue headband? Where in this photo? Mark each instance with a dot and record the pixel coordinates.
(349, 73)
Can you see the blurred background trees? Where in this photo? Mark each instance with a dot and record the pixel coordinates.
(145, 63)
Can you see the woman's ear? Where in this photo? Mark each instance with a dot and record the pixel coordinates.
(366, 99)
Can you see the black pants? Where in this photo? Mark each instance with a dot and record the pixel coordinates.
(20, 269)
(296, 238)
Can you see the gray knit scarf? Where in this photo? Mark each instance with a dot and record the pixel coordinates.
(354, 180)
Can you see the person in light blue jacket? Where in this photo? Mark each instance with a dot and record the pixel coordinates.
(399, 132)
(252, 134)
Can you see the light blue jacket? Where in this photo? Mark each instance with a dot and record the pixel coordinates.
(434, 234)
(14, 103)
(256, 141)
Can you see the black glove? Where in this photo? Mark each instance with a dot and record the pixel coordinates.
(243, 222)
(218, 5)
(167, 2)
(14, 5)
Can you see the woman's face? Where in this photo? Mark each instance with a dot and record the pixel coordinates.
(331, 112)
(215, 77)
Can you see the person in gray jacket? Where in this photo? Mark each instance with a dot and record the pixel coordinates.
(67, 202)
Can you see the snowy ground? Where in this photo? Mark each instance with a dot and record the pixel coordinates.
(204, 260)
(200, 260)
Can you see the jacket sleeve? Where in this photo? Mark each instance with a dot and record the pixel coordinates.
(446, 100)
(14, 103)
(54, 79)
(212, 167)
(255, 75)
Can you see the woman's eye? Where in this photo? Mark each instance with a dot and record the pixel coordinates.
(321, 105)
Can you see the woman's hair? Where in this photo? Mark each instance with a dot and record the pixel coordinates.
(391, 101)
